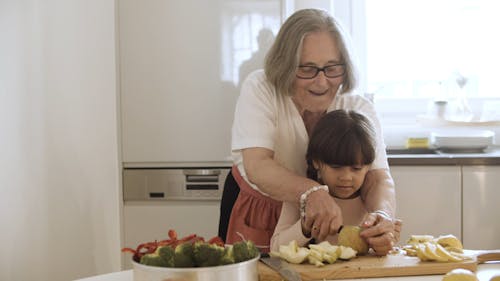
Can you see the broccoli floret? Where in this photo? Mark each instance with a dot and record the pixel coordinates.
(206, 254)
(228, 257)
(153, 259)
(244, 250)
(167, 253)
(184, 255)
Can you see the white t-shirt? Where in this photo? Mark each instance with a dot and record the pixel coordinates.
(265, 119)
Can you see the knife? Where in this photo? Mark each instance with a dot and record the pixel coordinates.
(281, 266)
(340, 229)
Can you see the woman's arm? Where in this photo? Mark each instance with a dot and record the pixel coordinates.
(273, 179)
(378, 192)
(381, 230)
(323, 215)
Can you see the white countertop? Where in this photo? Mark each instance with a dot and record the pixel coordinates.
(484, 273)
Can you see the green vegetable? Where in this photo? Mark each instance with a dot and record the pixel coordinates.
(200, 254)
(153, 259)
(167, 253)
(184, 255)
(228, 257)
(206, 254)
(244, 250)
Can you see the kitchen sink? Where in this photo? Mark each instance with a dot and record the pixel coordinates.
(411, 151)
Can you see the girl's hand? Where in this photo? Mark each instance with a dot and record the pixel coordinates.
(381, 232)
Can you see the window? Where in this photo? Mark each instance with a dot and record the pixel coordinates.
(426, 48)
(412, 53)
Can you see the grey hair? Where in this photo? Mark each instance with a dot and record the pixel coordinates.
(284, 55)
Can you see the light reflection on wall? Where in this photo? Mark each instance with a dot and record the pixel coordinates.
(481, 180)
(248, 30)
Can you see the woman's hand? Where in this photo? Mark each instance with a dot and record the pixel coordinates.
(323, 215)
(381, 232)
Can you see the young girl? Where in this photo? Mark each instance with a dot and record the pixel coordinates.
(339, 154)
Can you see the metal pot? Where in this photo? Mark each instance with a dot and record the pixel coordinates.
(243, 271)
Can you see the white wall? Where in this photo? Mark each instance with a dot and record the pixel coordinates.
(59, 149)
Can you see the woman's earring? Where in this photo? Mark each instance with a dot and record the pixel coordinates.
(318, 174)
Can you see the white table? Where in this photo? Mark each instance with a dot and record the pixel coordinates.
(484, 273)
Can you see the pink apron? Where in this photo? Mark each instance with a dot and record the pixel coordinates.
(254, 216)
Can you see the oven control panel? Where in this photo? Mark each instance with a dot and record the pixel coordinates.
(141, 184)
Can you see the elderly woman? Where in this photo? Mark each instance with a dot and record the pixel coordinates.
(308, 72)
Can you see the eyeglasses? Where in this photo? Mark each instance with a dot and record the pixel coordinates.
(310, 71)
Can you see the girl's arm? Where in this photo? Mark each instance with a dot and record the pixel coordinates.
(288, 228)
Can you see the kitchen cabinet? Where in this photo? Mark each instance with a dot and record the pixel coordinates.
(481, 193)
(450, 199)
(180, 67)
(428, 199)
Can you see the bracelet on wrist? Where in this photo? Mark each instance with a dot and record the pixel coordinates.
(303, 197)
(383, 213)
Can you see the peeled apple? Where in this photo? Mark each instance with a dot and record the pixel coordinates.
(460, 274)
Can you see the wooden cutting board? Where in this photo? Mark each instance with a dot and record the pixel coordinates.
(373, 266)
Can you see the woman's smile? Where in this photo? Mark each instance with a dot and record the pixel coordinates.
(318, 93)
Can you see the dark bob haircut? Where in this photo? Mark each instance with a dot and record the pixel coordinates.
(343, 138)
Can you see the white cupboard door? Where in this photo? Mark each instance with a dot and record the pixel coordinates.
(428, 200)
(481, 193)
(181, 64)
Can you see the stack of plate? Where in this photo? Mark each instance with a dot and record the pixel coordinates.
(463, 140)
